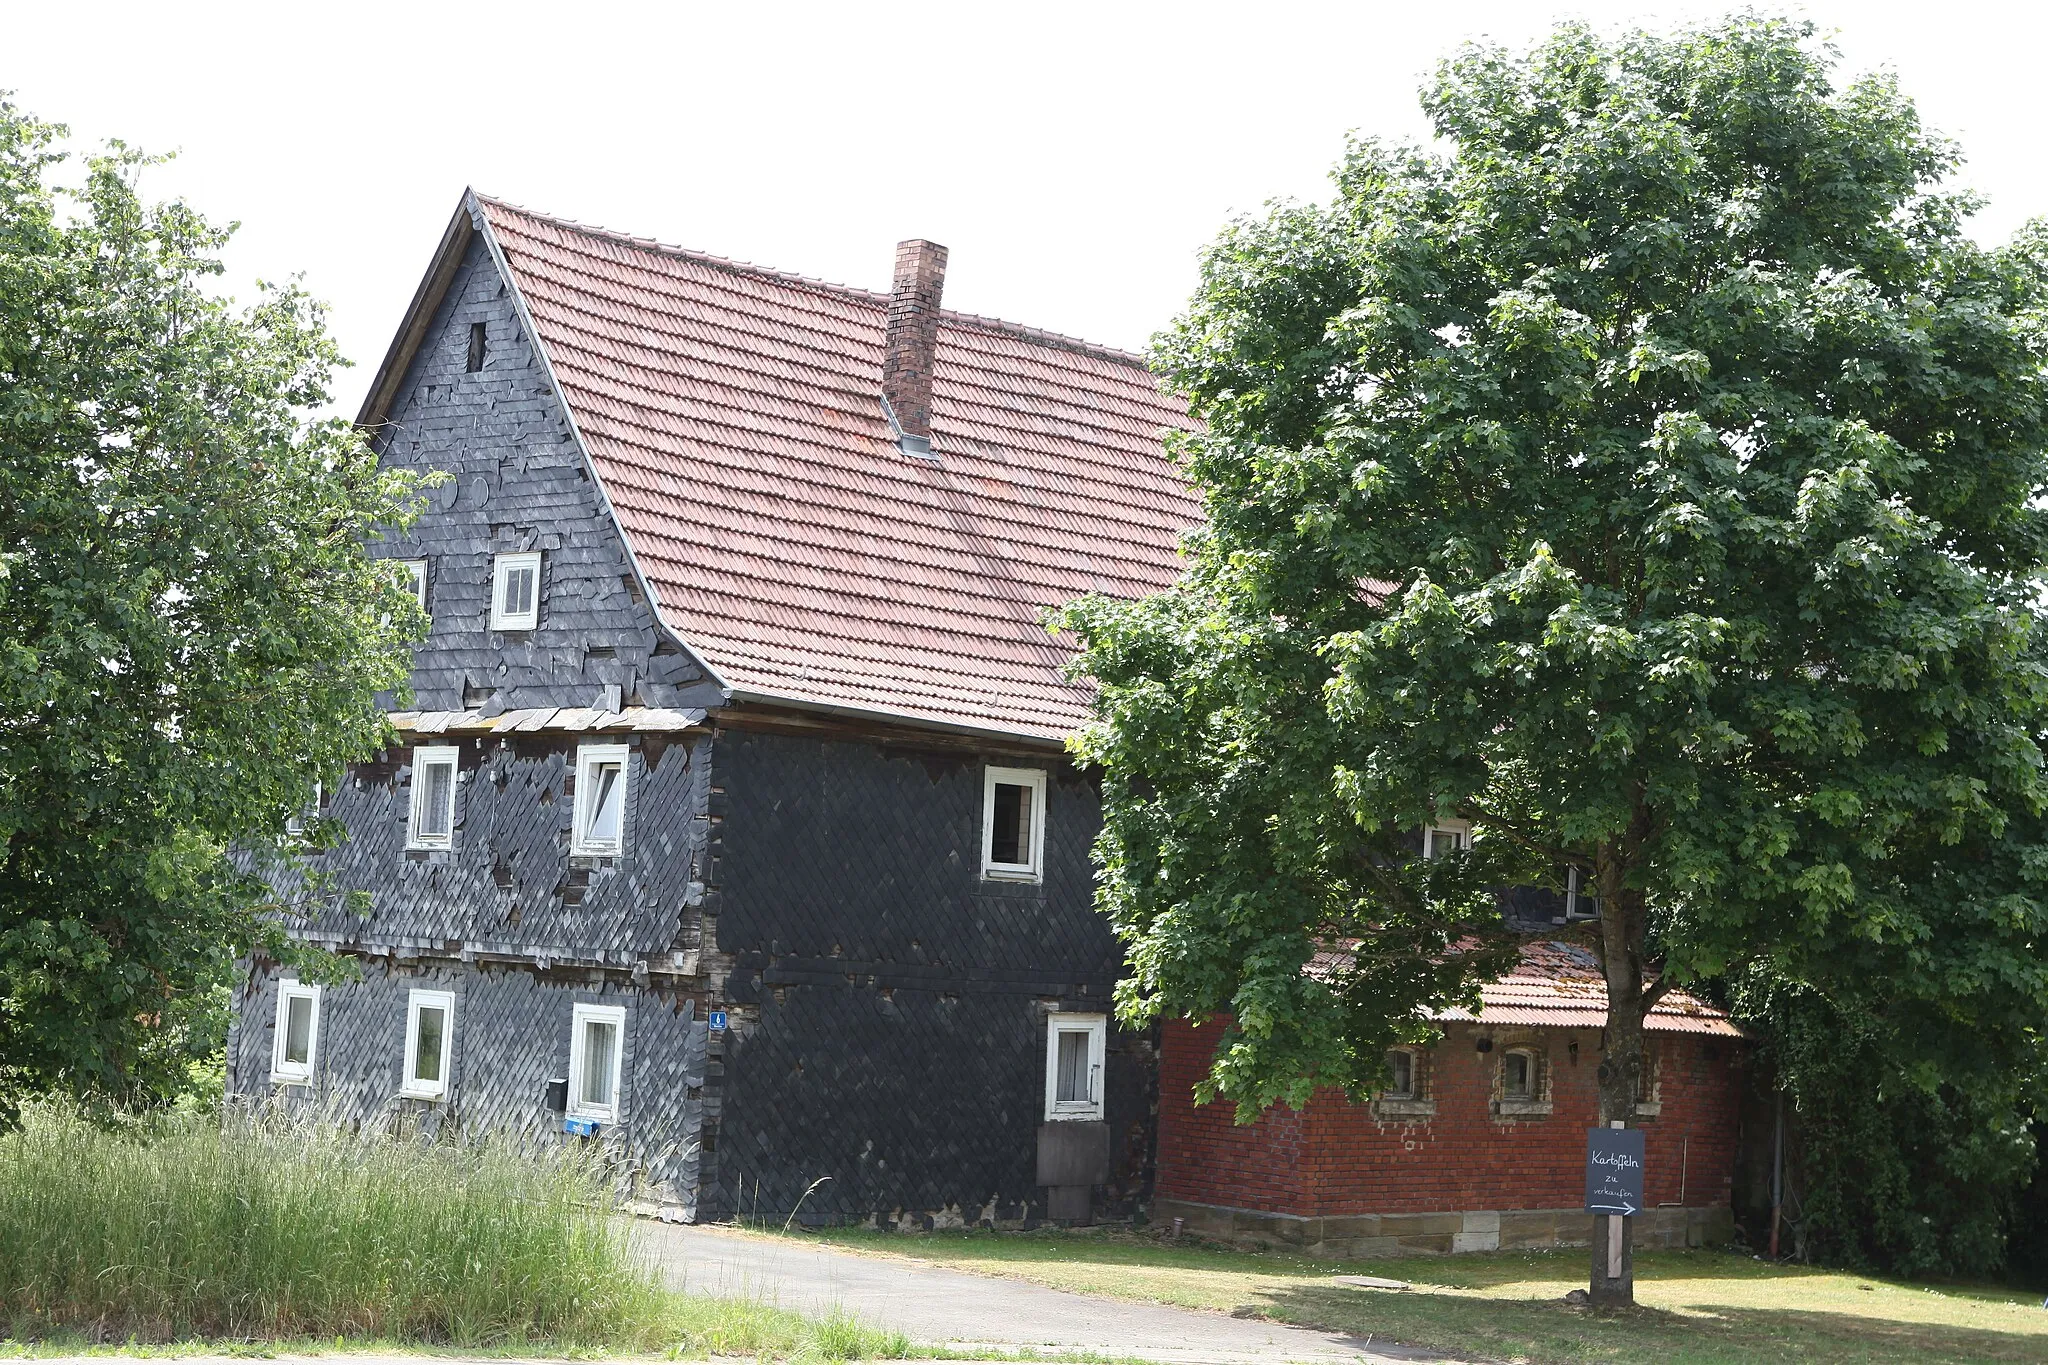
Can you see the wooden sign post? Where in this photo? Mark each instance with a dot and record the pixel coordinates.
(1614, 1187)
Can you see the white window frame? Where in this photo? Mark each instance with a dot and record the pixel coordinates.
(1575, 879)
(423, 757)
(1414, 1090)
(283, 1072)
(416, 569)
(502, 568)
(1033, 779)
(578, 1017)
(1096, 1026)
(1534, 1064)
(1459, 830)
(588, 757)
(410, 1085)
(295, 824)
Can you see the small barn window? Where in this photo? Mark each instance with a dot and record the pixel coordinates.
(599, 821)
(515, 592)
(477, 342)
(1074, 1048)
(298, 1033)
(1013, 824)
(414, 573)
(432, 821)
(1402, 1076)
(596, 1050)
(429, 1041)
(1518, 1074)
(1446, 837)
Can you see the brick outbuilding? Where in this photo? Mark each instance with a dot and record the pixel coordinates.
(1482, 1149)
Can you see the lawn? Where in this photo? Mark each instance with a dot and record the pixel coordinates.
(1696, 1307)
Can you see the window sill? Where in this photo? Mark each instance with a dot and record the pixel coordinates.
(1404, 1109)
(1001, 874)
(603, 1119)
(276, 1079)
(1650, 1110)
(1522, 1109)
(430, 1096)
(1090, 1115)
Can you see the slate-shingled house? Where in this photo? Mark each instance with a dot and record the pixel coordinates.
(737, 709)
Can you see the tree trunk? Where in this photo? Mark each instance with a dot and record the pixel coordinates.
(1624, 919)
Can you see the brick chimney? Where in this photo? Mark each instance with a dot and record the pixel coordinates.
(913, 337)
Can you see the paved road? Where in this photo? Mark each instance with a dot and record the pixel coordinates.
(937, 1307)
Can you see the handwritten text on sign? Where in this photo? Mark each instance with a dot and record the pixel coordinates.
(1614, 1170)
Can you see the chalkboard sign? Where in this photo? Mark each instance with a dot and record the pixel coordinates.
(1614, 1170)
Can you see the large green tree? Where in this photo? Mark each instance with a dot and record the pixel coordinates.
(1649, 474)
(191, 631)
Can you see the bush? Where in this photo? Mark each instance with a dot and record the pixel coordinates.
(173, 1228)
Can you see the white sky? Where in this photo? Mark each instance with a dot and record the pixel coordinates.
(1074, 156)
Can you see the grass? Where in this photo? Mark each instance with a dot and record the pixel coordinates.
(177, 1231)
(1695, 1308)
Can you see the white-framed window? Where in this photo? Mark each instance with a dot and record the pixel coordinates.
(515, 591)
(1404, 1075)
(1074, 1046)
(1446, 837)
(295, 824)
(415, 576)
(1580, 900)
(297, 1043)
(1518, 1075)
(598, 822)
(597, 1049)
(1013, 824)
(429, 1043)
(431, 823)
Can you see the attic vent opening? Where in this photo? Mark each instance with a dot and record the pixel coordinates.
(476, 347)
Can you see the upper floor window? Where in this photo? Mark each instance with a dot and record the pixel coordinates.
(515, 591)
(297, 1033)
(478, 341)
(1580, 900)
(596, 1056)
(295, 823)
(1518, 1074)
(1446, 837)
(1013, 824)
(1074, 1047)
(414, 575)
(431, 823)
(429, 1038)
(599, 820)
(1404, 1080)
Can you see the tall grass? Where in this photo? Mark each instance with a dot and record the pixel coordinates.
(179, 1229)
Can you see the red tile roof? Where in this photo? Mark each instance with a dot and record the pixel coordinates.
(1559, 985)
(734, 417)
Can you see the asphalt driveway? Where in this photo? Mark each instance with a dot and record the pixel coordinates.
(936, 1307)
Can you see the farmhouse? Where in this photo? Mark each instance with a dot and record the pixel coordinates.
(731, 827)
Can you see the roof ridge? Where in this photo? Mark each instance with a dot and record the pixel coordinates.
(975, 321)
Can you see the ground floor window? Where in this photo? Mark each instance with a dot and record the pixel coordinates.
(429, 1040)
(596, 1051)
(298, 1033)
(1074, 1046)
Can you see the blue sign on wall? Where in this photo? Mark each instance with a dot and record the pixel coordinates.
(580, 1127)
(718, 1021)
(1614, 1170)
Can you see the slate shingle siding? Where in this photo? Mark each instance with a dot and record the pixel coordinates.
(890, 1005)
(511, 1035)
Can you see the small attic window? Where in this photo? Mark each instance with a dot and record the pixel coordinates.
(476, 347)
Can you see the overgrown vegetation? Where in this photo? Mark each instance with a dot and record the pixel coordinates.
(172, 1229)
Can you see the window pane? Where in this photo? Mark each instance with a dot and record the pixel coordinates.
(518, 591)
(1401, 1068)
(298, 1030)
(600, 1040)
(1444, 842)
(1518, 1074)
(439, 779)
(607, 803)
(1010, 841)
(1072, 1084)
(426, 1064)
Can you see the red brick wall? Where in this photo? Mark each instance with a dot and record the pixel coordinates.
(1338, 1158)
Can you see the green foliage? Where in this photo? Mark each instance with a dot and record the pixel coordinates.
(1912, 1148)
(191, 631)
(1651, 477)
(171, 1228)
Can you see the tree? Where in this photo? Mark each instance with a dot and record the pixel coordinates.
(1650, 477)
(191, 631)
